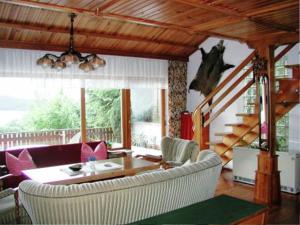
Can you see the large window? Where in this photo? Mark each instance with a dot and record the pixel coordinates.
(146, 118)
(34, 115)
(103, 115)
(37, 115)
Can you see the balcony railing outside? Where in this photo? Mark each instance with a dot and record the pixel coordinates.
(53, 137)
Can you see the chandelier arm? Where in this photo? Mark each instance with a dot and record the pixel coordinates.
(52, 55)
(86, 58)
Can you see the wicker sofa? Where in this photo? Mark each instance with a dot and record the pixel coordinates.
(122, 200)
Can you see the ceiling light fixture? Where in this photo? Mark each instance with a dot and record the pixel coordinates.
(71, 56)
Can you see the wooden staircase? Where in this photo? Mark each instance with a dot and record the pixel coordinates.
(244, 133)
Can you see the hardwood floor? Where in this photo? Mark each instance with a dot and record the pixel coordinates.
(286, 213)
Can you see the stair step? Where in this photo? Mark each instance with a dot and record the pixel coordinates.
(250, 137)
(230, 139)
(213, 143)
(223, 133)
(240, 143)
(220, 148)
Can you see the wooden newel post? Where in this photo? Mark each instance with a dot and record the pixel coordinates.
(267, 177)
(204, 133)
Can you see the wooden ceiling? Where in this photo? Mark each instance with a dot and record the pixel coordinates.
(167, 29)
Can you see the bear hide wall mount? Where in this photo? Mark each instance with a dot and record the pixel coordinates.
(210, 70)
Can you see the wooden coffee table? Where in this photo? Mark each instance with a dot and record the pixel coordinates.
(60, 174)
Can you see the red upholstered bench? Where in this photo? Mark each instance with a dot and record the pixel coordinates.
(45, 156)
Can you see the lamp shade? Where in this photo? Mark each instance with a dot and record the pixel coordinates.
(59, 65)
(69, 59)
(97, 62)
(45, 61)
(86, 66)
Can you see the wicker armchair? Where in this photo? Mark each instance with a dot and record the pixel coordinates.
(11, 212)
(175, 151)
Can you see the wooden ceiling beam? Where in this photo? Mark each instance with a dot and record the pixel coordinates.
(43, 28)
(146, 22)
(97, 13)
(272, 39)
(229, 12)
(213, 24)
(273, 7)
(47, 47)
(49, 6)
(54, 7)
(106, 5)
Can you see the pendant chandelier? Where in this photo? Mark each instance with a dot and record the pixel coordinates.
(71, 56)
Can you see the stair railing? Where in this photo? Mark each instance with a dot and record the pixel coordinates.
(201, 115)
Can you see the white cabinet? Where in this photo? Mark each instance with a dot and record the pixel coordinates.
(245, 165)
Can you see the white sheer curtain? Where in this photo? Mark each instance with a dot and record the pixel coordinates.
(119, 72)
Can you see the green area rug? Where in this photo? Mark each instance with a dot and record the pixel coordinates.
(222, 209)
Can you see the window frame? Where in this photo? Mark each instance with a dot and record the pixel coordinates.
(125, 116)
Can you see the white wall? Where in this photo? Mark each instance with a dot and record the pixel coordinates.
(235, 53)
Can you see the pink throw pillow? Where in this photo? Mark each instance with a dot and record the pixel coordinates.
(16, 165)
(100, 152)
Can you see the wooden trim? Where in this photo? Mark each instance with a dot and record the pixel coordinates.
(277, 39)
(52, 29)
(83, 116)
(47, 47)
(284, 51)
(258, 218)
(197, 125)
(272, 100)
(126, 122)
(106, 5)
(163, 112)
